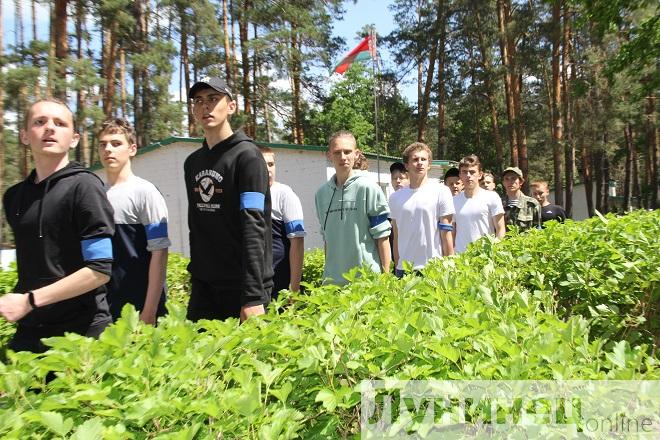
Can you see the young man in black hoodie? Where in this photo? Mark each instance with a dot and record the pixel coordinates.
(229, 213)
(63, 225)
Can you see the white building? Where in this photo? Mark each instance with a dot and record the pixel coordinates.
(303, 167)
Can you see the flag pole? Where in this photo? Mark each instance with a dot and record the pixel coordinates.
(375, 70)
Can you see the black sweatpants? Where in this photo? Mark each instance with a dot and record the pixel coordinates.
(29, 339)
(213, 301)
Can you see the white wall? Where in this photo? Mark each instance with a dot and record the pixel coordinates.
(303, 170)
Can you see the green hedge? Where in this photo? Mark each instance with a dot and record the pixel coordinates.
(606, 269)
(487, 314)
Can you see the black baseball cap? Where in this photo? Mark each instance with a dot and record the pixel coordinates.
(212, 82)
(397, 166)
(452, 172)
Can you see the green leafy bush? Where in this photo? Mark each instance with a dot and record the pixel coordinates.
(312, 273)
(8, 280)
(296, 374)
(178, 279)
(606, 269)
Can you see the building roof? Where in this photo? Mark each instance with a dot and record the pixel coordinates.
(174, 139)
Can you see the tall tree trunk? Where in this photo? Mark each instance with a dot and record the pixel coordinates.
(420, 64)
(61, 47)
(144, 72)
(628, 178)
(109, 68)
(225, 30)
(475, 107)
(426, 97)
(254, 90)
(602, 178)
(557, 122)
(51, 74)
(195, 50)
(605, 183)
(233, 42)
(487, 65)
(185, 67)
(33, 8)
(585, 153)
(139, 36)
(35, 59)
(80, 99)
(24, 159)
(263, 99)
(598, 178)
(651, 162)
(636, 199)
(122, 82)
(567, 81)
(20, 122)
(245, 64)
(503, 20)
(19, 39)
(442, 134)
(296, 69)
(521, 131)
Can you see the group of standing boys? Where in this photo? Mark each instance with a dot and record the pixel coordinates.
(427, 219)
(85, 249)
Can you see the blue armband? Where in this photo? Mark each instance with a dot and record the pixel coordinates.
(445, 227)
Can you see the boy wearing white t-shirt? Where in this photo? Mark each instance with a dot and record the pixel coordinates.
(478, 210)
(421, 213)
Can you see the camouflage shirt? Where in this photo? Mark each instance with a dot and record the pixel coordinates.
(526, 214)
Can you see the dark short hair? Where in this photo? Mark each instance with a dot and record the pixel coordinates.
(452, 172)
(119, 126)
(398, 166)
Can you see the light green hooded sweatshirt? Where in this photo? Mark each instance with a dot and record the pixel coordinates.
(352, 217)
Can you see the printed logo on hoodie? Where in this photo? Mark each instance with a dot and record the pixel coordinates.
(207, 184)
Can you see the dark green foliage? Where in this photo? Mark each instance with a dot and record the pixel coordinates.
(350, 106)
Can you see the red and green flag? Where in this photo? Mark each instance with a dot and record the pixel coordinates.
(362, 52)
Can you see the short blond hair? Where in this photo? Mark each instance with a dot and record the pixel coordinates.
(413, 148)
(538, 183)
